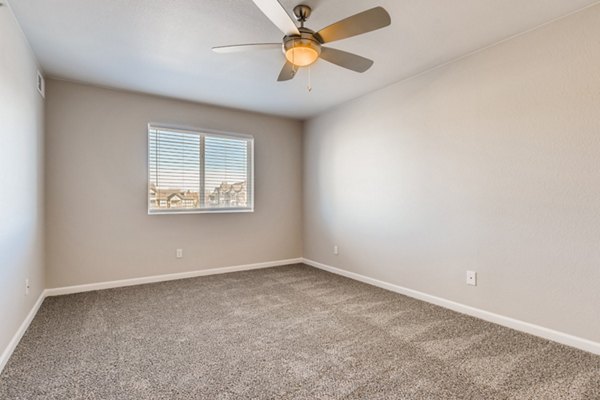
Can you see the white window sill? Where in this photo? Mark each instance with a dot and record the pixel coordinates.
(207, 211)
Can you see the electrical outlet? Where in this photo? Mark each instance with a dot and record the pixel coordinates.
(179, 253)
(472, 278)
(336, 250)
(27, 287)
(41, 84)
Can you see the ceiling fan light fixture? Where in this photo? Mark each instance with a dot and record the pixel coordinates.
(302, 52)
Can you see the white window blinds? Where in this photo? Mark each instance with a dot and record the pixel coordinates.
(192, 171)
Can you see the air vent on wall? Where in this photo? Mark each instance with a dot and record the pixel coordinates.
(41, 84)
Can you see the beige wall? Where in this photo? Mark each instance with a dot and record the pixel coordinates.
(489, 164)
(96, 179)
(21, 183)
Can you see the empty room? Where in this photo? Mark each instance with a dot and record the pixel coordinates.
(299, 199)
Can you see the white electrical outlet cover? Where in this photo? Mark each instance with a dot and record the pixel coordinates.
(472, 278)
(41, 84)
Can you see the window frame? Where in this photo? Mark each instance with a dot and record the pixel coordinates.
(203, 133)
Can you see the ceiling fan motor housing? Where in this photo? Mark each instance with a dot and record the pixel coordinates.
(302, 50)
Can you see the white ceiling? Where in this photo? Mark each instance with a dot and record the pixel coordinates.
(164, 47)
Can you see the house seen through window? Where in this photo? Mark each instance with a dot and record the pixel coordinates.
(196, 171)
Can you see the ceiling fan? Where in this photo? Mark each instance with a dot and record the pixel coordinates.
(303, 47)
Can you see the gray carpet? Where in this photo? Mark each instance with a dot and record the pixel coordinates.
(281, 333)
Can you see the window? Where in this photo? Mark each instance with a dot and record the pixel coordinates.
(199, 171)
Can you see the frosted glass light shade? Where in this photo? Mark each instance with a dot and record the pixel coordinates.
(301, 56)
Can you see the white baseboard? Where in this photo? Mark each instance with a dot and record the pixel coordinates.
(556, 336)
(536, 330)
(167, 277)
(12, 345)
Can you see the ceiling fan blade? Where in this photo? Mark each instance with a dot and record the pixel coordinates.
(277, 14)
(287, 72)
(366, 21)
(238, 48)
(345, 59)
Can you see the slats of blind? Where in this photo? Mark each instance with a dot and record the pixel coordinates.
(226, 172)
(174, 161)
(196, 171)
